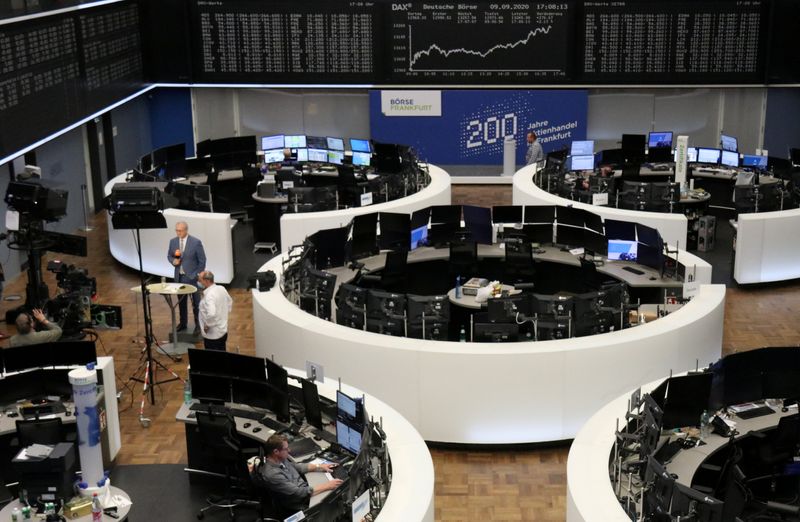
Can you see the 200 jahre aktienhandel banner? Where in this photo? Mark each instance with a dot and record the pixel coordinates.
(467, 127)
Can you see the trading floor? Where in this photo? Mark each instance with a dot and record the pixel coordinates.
(471, 484)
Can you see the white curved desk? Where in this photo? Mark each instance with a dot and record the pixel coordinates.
(673, 227)
(767, 247)
(485, 393)
(296, 227)
(213, 229)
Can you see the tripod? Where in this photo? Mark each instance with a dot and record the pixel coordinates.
(137, 221)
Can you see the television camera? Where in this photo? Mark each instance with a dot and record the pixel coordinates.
(72, 307)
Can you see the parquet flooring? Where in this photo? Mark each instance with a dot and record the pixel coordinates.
(471, 485)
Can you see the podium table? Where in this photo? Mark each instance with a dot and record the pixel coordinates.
(168, 290)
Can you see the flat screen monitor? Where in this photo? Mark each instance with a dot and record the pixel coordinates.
(710, 156)
(657, 140)
(582, 162)
(311, 403)
(209, 361)
(435, 307)
(691, 155)
(419, 237)
(595, 242)
(297, 141)
(364, 236)
(648, 235)
(257, 394)
(302, 155)
(362, 159)
(687, 398)
(582, 148)
(278, 379)
(755, 162)
(273, 156)
(730, 158)
(352, 296)
(357, 145)
(620, 229)
(540, 214)
(317, 155)
(246, 367)
(336, 157)
(495, 332)
(446, 214)
(729, 143)
(273, 142)
(532, 233)
(210, 388)
(317, 142)
(72, 353)
(571, 216)
(593, 222)
(506, 309)
(652, 256)
(335, 143)
(420, 217)
(395, 231)
(570, 236)
(348, 438)
(478, 221)
(382, 304)
(507, 214)
(633, 146)
(622, 250)
(18, 358)
(346, 406)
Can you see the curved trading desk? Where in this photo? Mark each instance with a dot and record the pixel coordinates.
(673, 227)
(210, 227)
(487, 393)
(296, 227)
(767, 247)
(410, 496)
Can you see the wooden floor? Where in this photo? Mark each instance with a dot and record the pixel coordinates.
(470, 485)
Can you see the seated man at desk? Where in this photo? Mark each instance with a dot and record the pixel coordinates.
(284, 477)
(26, 335)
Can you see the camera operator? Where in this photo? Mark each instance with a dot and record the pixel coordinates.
(26, 335)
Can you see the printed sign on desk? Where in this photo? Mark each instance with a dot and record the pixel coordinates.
(473, 124)
(600, 199)
(366, 199)
(360, 508)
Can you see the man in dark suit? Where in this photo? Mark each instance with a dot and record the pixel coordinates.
(186, 254)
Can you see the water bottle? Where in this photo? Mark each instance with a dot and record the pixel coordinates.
(705, 425)
(97, 509)
(187, 391)
(16, 515)
(462, 335)
(458, 287)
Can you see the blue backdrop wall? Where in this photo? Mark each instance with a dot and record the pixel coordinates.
(473, 123)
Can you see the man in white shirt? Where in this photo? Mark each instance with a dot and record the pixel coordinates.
(215, 306)
(535, 152)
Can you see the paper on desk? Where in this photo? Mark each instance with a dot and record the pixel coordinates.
(38, 451)
(738, 408)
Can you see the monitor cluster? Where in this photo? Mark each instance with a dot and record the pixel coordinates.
(316, 149)
(47, 355)
(679, 402)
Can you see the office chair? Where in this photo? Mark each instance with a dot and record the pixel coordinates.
(393, 275)
(219, 442)
(463, 259)
(519, 264)
(590, 276)
(350, 188)
(40, 431)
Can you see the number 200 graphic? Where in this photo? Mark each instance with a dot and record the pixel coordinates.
(492, 129)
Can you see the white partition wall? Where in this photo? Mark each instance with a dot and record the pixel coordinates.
(767, 247)
(296, 227)
(672, 227)
(485, 393)
(213, 229)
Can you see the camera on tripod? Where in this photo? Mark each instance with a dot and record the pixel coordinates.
(72, 307)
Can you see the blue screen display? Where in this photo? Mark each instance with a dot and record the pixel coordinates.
(582, 148)
(273, 156)
(419, 237)
(730, 159)
(362, 159)
(656, 140)
(729, 143)
(272, 142)
(359, 145)
(759, 162)
(335, 143)
(620, 250)
(295, 142)
(708, 156)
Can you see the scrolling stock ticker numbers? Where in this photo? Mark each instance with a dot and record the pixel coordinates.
(458, 41)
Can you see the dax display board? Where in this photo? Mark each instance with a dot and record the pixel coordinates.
(454, 127)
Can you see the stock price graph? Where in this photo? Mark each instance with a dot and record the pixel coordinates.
(516, 42)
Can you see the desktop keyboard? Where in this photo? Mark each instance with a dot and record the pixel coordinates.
(341, 472)
(335, 457)
(633, 270)
(272, 424)
(324, 435)
(303, 446)
(668, 450)
(755, 412)
(247, 414)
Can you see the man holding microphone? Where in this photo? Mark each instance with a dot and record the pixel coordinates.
(187, 255)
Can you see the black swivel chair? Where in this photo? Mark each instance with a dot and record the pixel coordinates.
(40, 431)
(519, 266)
(463, 259)
(350, 187)
(220, 443)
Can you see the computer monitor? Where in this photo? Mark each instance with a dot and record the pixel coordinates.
(276, 141)
(364, 232)
(311, 403)
(582, 162)
(710, 156)
(302, 155)
(395, 231)
(595, 243)
(246, 367)
(297, 141)
(317, 142)
(347, 437)
(71, 353)
(257, 394)
(540, 214)
(273, 156)
(730, 158)
(533, 233)
(651, 256)
(633, 147)
(506, 309)
(419, 237)
(348, 408)
(357, 145)
(335, 143)
(697, 505)
(570, 236)
(18, 358)
(317, 155)
(446, 214)
(478, 221)
(691, 155)
(661, 193)
(729, 143)
(362, 159)
(648, 235)
(657, 140)
(210, 388)
(575, 217)
(582, 148)
(209, 361)
(495, 332)
(755, 162)
(507, 214)
(278, 379)
(434, 307)
(381, 304)
(556, 305)
(335, 157)
(351, 296)
(302, 199)
(686, 399)
(622, 250)
(616, 229)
